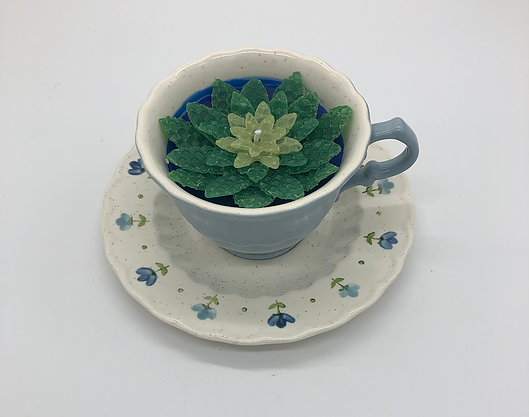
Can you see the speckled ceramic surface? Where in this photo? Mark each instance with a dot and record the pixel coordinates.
(265, 232)
(187, 281)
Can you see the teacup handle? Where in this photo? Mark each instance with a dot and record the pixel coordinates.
(392, 129)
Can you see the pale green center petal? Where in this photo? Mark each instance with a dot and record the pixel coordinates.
(241, 133)
(288, 145)
(255, 150)
(252, 148)
(225, 143)
(236, 121)
(267, 124)
(271, 147)
(251, 122)
(274, 135)
(287, 121)
(271, 161)
(243, 159)
(262, 111)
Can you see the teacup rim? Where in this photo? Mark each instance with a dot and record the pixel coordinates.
(337, 182)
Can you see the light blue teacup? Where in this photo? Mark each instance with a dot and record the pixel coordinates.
(270, 231)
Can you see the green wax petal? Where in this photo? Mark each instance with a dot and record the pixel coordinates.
(311, 179)
(195, 180)
(306, 106)
(281, 185)
(331, 125)
(228, 184)
(317, 152)
(255, 92)
(292, 87)
(221, 96)
(252, 197)
(182, 133)
(193, 158)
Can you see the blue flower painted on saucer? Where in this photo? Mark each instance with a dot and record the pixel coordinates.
(279, 319)
(136, 167)
(148, 275)
(348, 290)
(205, 311)
(384, 187)
(386, 241)
(126, 221)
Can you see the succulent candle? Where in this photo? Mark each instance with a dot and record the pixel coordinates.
(254, 148)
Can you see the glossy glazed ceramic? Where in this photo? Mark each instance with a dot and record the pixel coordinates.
(267, 232)
(184, 279)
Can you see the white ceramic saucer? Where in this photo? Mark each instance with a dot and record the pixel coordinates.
(187, 281)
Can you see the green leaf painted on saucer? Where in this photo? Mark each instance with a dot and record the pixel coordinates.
(195, 180)
(255, 92)
(369, 238)
(369, 191)
(212, 299)
(335, 281)
(193, 158)
(221, 96)
(162, 268)
(182, 133)
(252, 197)
(143, 220)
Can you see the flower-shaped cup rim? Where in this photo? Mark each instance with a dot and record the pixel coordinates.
(341, 177)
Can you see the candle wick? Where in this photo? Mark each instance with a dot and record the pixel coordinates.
(257, 135)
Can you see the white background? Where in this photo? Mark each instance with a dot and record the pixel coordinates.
(449, 338)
